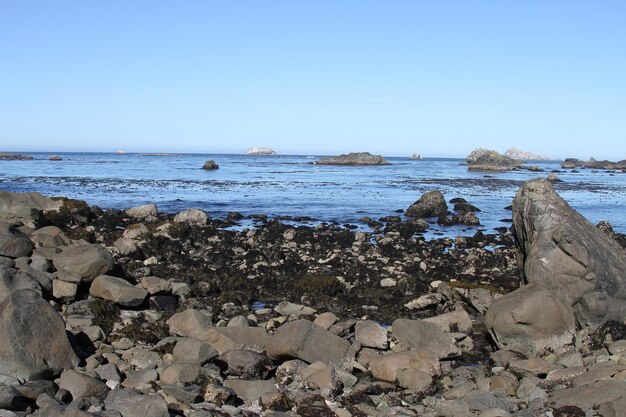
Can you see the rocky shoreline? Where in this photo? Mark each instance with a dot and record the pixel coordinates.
(178, 315)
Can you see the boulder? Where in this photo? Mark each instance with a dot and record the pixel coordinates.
(190, 323)
(132, 404)
(33, 342)
(250, 390)
(588, 396)
(371, 334)
(560, 250)
(55, 158)
(195, 217)
(84, 260)
(529, 320)
(430, 204)
(81, 385)
(195, 351)
(246, 364)
(210, 165)
(25, 208)
(354, 159)
(49, 236)
(307, 341)
(13, 243)
(420, 334)
(117, 290)
(12, 280)
(147, 212)
(488, 160)
(386, 367)
(223, 339)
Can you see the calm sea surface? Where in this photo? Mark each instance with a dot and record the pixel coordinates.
(291, 186)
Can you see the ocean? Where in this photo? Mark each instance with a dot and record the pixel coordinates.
(291, 185)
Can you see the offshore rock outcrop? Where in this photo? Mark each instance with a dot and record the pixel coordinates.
(14, 157)
(524, 156)
(260, 151)
(573, 163)
(488, 160)
(354, 159)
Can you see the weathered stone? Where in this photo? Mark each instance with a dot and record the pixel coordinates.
(250, 390)
(415, 380)
(117, 290)
(588, 396)
(420, 334)
(193, 351)
(246, 364)
(223, 339)
(307, 341)
(322, 376)
(453, 321)
(147, 212)
(386, 367)
(131, 404)
(12, 280)
(64, 291)
(180, 373)
(192, 216)
(286, 308)
(15, 247)
(135, 231)
(530, 319)
(562, 251)
(371, 334)
(190, 323)
(33, 343)
(430, 204)
(49, 236)
(81, 385)
(155, 285)
(25, 208)
(325, 320)
(125, 246)
(85, 260)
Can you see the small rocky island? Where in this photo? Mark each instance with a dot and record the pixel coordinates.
(524, 156)
(354, 159)
(210, 165)
(573, 163)
(14, 157)
(260, 151)
(488, 160)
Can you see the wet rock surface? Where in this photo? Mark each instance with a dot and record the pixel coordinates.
(354, 159)
(281, 320)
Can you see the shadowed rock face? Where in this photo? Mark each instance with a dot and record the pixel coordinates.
(564, 252)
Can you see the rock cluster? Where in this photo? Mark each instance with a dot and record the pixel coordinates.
(354, 159)
(260, 151)
(489, 160)
(573, 163)
(14, 157)
(129, 314)
(515, 153)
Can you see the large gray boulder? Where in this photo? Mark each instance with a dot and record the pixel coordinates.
(33, 342)
(564, 252)
(530, 319)
(84, 260)
(13, 243)
(576, 274)
(25, 208)
(117, 290)
(430, 204)
(309, 342)
(132, 404)
(488, 160)
(420, 334)
(354, 159)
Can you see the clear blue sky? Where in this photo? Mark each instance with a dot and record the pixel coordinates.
(437, 78)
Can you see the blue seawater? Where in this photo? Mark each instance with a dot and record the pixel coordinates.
(286, 185)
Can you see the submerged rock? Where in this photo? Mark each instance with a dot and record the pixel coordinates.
(210, 165)
(354, 159)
